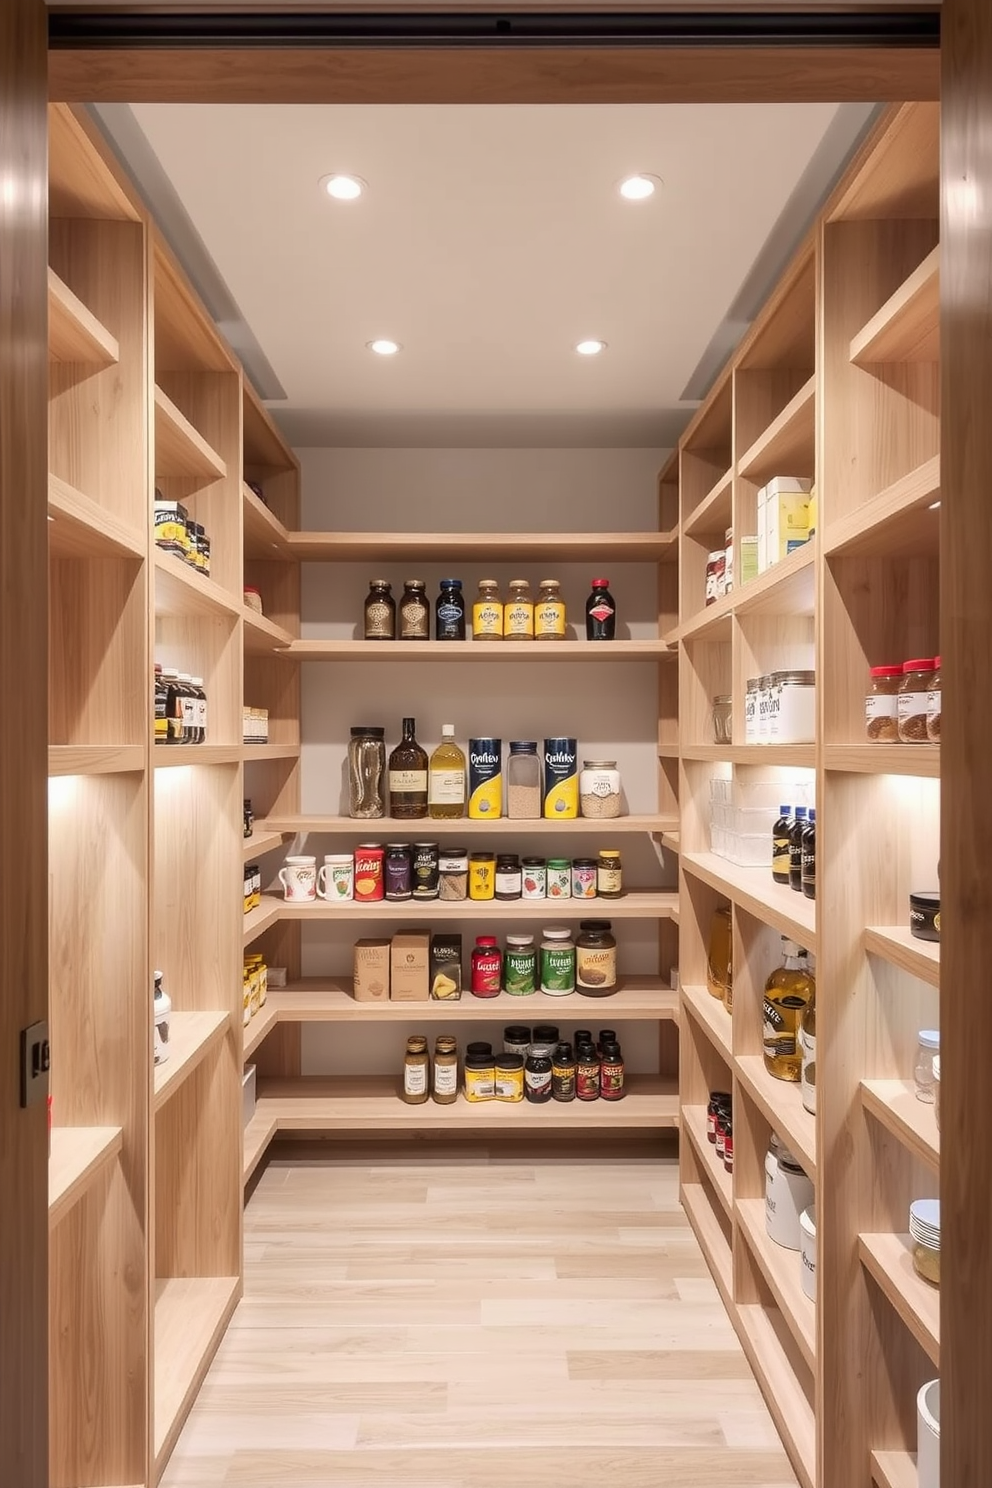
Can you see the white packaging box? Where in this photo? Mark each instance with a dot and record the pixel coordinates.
(762, 530)
(786, 517)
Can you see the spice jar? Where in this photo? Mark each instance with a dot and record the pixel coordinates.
(599, 789)
(534, 878)
(518, 612)
(933, 704)
(549, 612)
(516, 1038)
(546, 1035)
(537, 1075)
(595, 959)
(415, 611)
(481, 875)
(912, 699)
(721, 712)
(523, 781)
(487, 612)
(366, 770)
(509, 880)
(882, 705)
(609, 874)
(584, 878)
(559, 878)
(480, 1076)
(380, 611)
(520, 967)
(444, 1086)
(487, 967)
(253, 599)
(509, 1077)
(928, 1045)
(453, 874)
(557, 961)
(416, 1071)
(563, 1073)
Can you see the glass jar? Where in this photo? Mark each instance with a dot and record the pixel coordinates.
(534, 878)
(416, 1072)
(444, 1083)
(751, 711)
(415, 611)
(912, 699)
(549, 612)
(509, 1077)
(583, 878)
(792, 708)
(518, 612)
(933, 704)
(449, 611)
(509, 880)
(599, 789)
(537, 1075)
(453, 873)
(559, 878)
(609, 874)
(557, 961)
(881, 705)
(520, 970)
(523, 781)
(936, 1090)
(487, 967)
(366, 772)
(596, 959)
(928, 1045)
(487, 612)
(721, 713)
(380, 611)
(516, 1039)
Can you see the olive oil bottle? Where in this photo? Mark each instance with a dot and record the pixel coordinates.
(446, 787)
(788, 992)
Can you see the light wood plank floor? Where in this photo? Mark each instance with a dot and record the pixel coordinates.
(473, 1319)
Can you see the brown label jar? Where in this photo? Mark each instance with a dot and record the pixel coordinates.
(415, 611)
(444, 1085)
(380, 612)
(416, 1072)
(609, 874)
(595, 959)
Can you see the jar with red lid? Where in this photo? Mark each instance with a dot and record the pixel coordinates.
(912, 700)
(933, 704)
(882, 705)
(487, 967)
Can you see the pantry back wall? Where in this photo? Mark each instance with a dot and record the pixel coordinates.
(612, 711)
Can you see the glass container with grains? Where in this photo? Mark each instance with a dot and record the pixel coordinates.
(523, 781)
(599, 789)
(881, 705)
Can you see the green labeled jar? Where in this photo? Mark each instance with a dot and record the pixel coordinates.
(557, 961)
(520, 966)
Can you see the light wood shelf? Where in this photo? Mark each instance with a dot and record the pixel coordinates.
(893, 1103)
(713, 514)
(782, 1270)
(191, 1314)
(888, 1259)
(180, 449)
(250, 752)
(170, 756)
(899, 521)
(502, 826)
(633, 906)
(711, 1016)
(258, 920)
(907, 327)
(81, 528)
(74, 332)
(693, 1122)
(261, 842)
(792, 756)
(922, 760)
(787, 588)
(182, 590)
(79, 1155)
(264, 534)
(786, 446)
(899, 947)
(496, 547)
(95, 759)
(672, 840)
(712, 1241)
(475, 651)
(781, 1105)
(784, 1394)
(191, 1037)
(261, 635)
(755, 890)
(894, 1470)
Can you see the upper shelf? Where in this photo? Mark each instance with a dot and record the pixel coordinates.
(262, 635)
(922, 760)
(907, 327)
(74, 333)
(499, 547)
(637, 905)
(786, 446)
(181, 590)
(901, 521)
(532, 651)
(265, 536)
(81, 528)
(180, 449)
(897, 945)
(755, 891)
(787, 588)
(713, 514)
(503, 826)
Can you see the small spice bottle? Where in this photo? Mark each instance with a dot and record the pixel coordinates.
(557, 961)
(534, 878)
(587, 1073)
(611, 1073)
(563, 1073)
(584, 878)
(509, 879)
(537, 1075)
(520, 967)
(518, 612)
(487, 967)
(912, 699)
(933, 704)
(444, 1085)
(881, 705)
(609, 874)
(415, 611)
(509, 1077)
(481, 875)
(416, 1071)
(523, 781)
(480, 1077)
(453, 873)
(549, 612)
(487, 612)
(380, 611)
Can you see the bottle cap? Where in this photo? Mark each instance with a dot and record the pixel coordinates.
(918, 664)
(601, 583)
(451, 583)
(447, 731)
(886, 671)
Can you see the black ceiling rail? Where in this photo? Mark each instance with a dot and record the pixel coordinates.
(122, 29)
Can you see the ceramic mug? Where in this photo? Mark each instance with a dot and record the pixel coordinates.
(336, 877)
(298, 877)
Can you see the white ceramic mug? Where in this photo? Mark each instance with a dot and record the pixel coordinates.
(298, 877)
(336, 877)
(928, 1435)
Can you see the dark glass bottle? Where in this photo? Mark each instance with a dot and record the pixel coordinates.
(415, 611)
(808, 873)
(601, 612)
(408, 776)
(380, 612)
(450, 611)
(796, 849)
(781, 843)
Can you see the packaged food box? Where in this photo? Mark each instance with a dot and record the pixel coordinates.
(446, 968)
(409, 966)
(371, 967)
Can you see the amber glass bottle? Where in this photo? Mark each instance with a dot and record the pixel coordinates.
(408, 776)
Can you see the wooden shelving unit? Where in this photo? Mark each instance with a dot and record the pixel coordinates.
(498, 547)
(633, 906)
(838, 381)
(502, 827)
(78, 1155)
(369, 652)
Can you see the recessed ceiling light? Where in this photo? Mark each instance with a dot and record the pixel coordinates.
(343, 188)
(639, 188)
(590, 348)
(383, 348)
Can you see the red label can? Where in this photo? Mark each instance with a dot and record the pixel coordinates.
(369, 876)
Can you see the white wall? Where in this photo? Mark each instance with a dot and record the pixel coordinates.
(612, 711)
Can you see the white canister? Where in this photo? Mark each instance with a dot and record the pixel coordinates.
(928, 1435)
(807, 1261)
(298, 877)
(764, 703)
(793, 715)
(336, 877)
(751, 711)
(599, 788)
(787, 1193)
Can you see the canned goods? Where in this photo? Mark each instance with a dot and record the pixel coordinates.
(369, 875)
(485, 779)
(559, 878)
(561, 779)
(397, 870)
(426, 872)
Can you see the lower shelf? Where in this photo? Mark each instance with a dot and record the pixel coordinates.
(191, 1314)
(889, 1260)
(79, 1154)
(784, 1395)
(894, 1470)
(370, 1103)
(191, 1037)
(782, 1270)
(712, 1241)
(693, 1123)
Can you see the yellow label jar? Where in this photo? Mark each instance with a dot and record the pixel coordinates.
(487, 612)
(518, 613)
(480, 1077)
(481, 875)
(509, 1077)
(549, 612)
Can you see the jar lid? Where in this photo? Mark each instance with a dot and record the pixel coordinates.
(415, 583)
(523, 746)
(601, 583)
(520, 940)
(602, 764)
(540, 1054)
(380, 584)
(367, 728)
(516, 1032)
(583, 862)
(796, 679)
(398, 847)
(485, 940)
(936, 663)
(533, 862)
(559, 862)
(252, 589)
(545, 583)
(546, 1033)
(919, 664)
(609, 852)
(480, 1061)
(450, 583)
(929, 1038)
(520, 583)
(454, 855)
(482, 857)
(509, 1061)
(807, 1221)
(479, 1046)
(925, 899)
(557, 932)
(886, 671)
(503, 857)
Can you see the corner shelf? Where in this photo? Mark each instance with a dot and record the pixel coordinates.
(712, 1017)
(894, 1470)
(180, 590)
(258, 920)
(756, 892)
(497, 547)
(79, 1155)
(191, 1037)
(81, 528)
(907, 327)
(894, 1105)
(540, 652)
(74, 333)
(888, 1259)
(713, 514)
(780, 1102)
(787, 442)
(693, 1123)
(261, 842)
(264, 534)
(191, 1314)
(180, 449)
(502, 826)
(261, 635)
(899, 947)
(782, 1270)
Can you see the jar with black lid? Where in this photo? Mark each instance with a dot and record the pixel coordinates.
(478, 1046)
(546, 1034)
(398, 871)
(537, 1074)
(509, 879)
(380, 611)
(516, 1039)
(596, 959)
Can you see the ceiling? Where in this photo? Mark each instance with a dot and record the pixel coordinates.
(491, 239)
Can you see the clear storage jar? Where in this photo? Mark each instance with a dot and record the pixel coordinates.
(721, 713)
(792, 708)
(928, 1045)
(881, 705)
(366, 770)
(933, 704)
(912, 700)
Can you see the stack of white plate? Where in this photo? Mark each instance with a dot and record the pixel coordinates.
(924, 1222)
